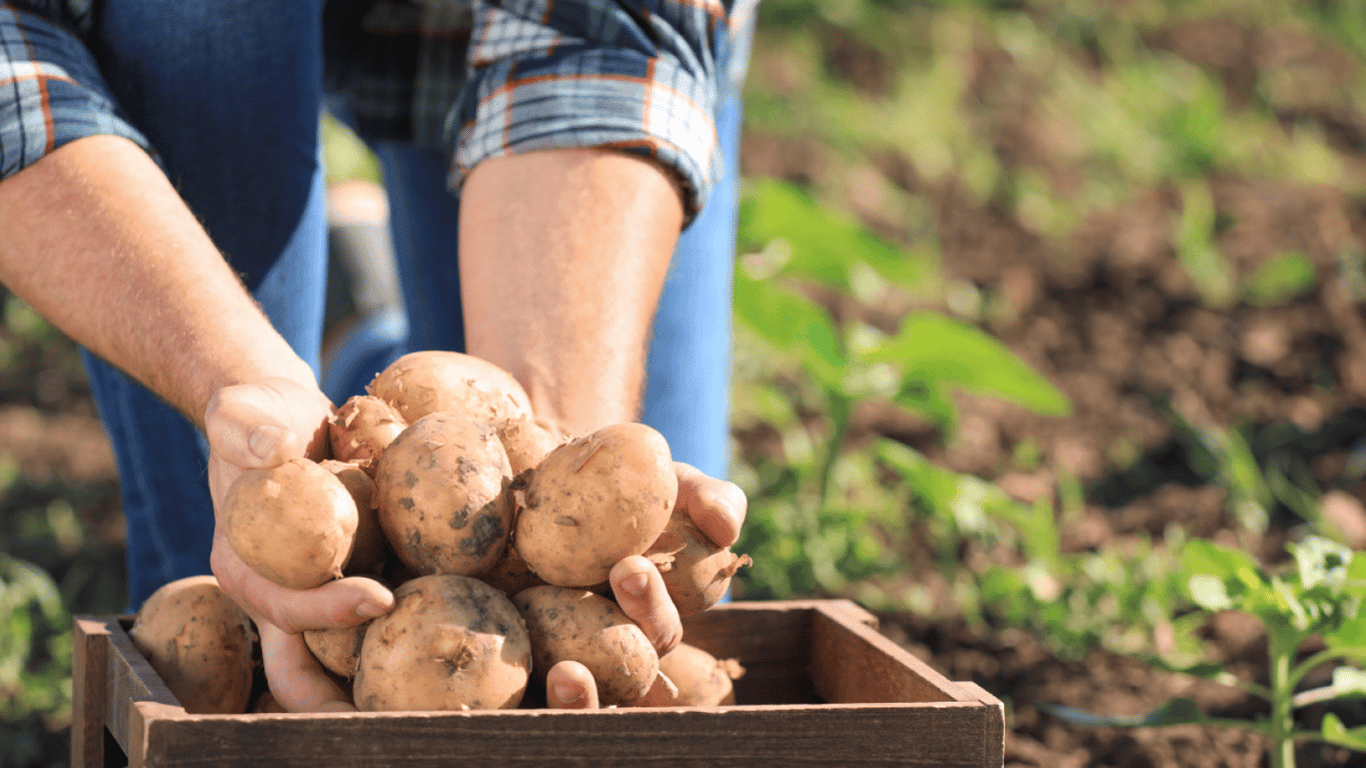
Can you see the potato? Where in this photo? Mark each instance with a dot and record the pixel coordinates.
(362, 428)
(593, 501)
(294, 524)
(451, 642)
(568, 624)
(267, 704)
(337, 649)
(696, 572)
(439, 491)
(425, 382)
(700, 679)
(511, 574)
(200, 643)
(525, 441)
(370, 549)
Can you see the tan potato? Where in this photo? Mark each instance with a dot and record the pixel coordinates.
(593, 501)
(362, 428)
(425, 382)
(370, 549)
(511, 574)
(526, 442)
(267, 704)
(699, 679)
(337, 649)
(568, 624)
(439, 491)
(200, 643)
(451, 642)
(696, 572)
(294, 524)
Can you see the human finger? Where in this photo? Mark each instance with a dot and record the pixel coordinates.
(296, 679)
(640, 592)
(717, 507)
(569, 685)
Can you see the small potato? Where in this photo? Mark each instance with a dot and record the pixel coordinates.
(439, 491)
(200, 643)
(337, 649)
(576, 625)
(511, 574)
(425, 382)
(700, 679)
(696, 572)
(593, 501)
(451, 642)
(525, 441)
(362, 428)
(370, 549)
(294, 524)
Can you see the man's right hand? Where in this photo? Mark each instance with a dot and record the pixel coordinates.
(260, 425)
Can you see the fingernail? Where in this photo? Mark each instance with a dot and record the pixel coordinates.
(263, 441)
(370, 610)
(636, 584)
(568, 694)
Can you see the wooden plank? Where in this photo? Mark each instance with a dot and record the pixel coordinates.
(772, 641)
(836, 735)
(854, 663)
(129, 680)
(90, 641)
(994, 724)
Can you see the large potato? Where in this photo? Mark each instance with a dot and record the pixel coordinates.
(576, 625)
(593, 501)
(439, 492)
(294, 524)
(200, 643)
(451, 642)
(425, 382)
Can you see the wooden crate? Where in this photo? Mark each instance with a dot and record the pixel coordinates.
(822, 687)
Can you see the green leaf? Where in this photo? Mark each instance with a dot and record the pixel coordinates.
(1174, 712)
(1209, 592)
(1279, 280)
(934, 349)
(1200, 556)
(824, 245)
(790, 323)
(1321, 561)
(1334, 732)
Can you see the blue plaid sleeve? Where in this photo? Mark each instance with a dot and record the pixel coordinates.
(51, 92)
(642, 76)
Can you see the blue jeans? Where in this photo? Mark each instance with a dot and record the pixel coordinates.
(230, 97)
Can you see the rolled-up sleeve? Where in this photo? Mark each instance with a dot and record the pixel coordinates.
(51, 91)
(641, 76)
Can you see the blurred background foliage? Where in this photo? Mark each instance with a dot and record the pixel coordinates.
(867, 347)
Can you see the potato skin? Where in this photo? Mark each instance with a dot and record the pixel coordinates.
(200, 643)
(362, 428)
(294, 524)
(451, 642)
(593, 501)
(577, 625)
(696, 571)
(428, 381)
(337, 649)
(439, 492)
(702, 679)
(370, 549)
(525, 441)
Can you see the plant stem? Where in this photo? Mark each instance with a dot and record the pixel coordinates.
(1282, 701)
(841, 409)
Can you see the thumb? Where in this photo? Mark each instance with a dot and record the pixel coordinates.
(244, 426)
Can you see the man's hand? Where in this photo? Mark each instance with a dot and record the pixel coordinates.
(718, 508)
(257, 426)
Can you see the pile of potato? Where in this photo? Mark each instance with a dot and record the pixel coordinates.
(497, 540)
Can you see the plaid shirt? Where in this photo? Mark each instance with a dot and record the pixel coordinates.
(476, 78)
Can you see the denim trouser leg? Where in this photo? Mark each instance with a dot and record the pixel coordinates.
(229, 94)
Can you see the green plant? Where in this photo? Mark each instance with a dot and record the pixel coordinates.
(822, 518)
(35, 664)
(1321, 597)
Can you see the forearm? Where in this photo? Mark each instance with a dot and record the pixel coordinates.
(563, 255)
(99, 243)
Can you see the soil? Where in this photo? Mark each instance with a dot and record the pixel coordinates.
(1109, 316)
